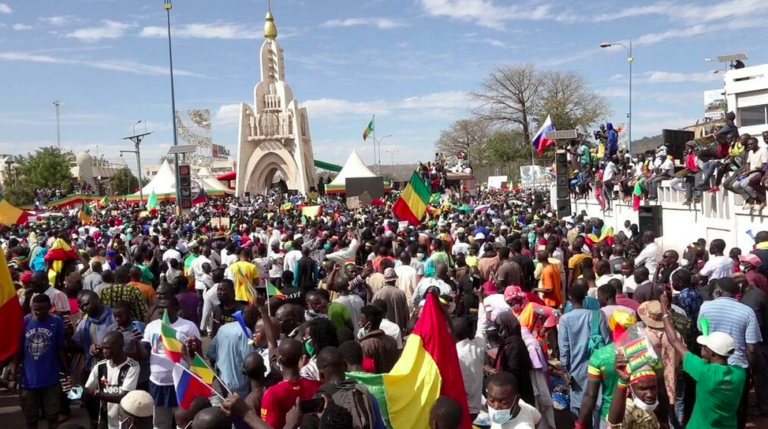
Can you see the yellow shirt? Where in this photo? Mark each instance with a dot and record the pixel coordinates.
(244, 273)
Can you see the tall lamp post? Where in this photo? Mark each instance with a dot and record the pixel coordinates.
(136, 139)
(392, 156)
(57, 103)
(630, 60)
(168, 6)
(378, 143)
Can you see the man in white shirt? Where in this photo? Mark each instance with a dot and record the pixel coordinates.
(111, 379)
(651, 254)
(503, 397)
(171, 253)
(407, 277)
(290, 258)
(160, 367)
(744, 185)
(461, 245)
(664, 172)
(718, 265)
(471, 351)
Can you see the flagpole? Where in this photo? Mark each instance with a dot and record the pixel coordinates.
(375, 163)
(229, 392)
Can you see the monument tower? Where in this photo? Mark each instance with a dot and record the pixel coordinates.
(274, 134)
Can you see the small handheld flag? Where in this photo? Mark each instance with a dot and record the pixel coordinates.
(171, 344)
(201, 369)
(188, 387)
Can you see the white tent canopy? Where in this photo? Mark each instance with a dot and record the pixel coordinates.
(354, 167)
(164, 182)
(210, 182)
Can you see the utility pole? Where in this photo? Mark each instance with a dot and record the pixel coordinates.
(168, 6)
(57, 103)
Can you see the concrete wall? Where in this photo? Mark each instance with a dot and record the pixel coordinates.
(718, 215)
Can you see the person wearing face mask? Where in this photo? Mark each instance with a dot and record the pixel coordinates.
(376, 344)
(135, 410)
(513, 356)
(635, 410)
(506, 408)
(750, 265)
(719, 385)
(318, 334)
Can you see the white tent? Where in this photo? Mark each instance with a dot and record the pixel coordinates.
(354, 167)
(164, 182)
(210, 182)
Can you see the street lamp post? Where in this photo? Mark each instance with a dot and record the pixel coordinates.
(378, 142)
(392, 156)
(630, 60)
(57, 103)
(136, 139)
(168, 6)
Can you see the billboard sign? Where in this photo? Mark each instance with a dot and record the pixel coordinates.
(715, 104)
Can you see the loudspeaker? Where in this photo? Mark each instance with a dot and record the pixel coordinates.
(561, 175)
(650, 219)
(675, 141)
(185, 186)
(563, 207)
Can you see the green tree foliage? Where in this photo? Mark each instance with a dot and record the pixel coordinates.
(469, 136)
(15, 193)
(123, 182)
(48, 167)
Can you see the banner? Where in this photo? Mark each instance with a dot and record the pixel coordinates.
(715, 104)
(218, 151)
(534, 175)
(495, 182)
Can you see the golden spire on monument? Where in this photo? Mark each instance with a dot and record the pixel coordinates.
(270, 29)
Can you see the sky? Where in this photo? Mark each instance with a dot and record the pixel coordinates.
(409, 62)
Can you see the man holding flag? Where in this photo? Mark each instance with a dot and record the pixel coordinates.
(164, 342)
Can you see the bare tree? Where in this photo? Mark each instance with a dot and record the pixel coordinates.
(572, 105)
(508, 97)
(467, 135)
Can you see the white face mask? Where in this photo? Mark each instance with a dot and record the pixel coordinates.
(643, 406)
(499, 417)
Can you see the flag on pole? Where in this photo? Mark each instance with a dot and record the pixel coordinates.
(200, 197)
(104, 201)
(412, 203)
(11, 318)
(171, 344)
(368, 130)
(152, 202)
(202, 370)
(540, 141)
(272, 290)
(85, 213)
(188, 387)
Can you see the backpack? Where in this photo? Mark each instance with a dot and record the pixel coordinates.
(596, 339)
(355, 398)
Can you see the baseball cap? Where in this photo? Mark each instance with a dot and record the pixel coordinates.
(719, 342)
(751, 259)
(137, 403)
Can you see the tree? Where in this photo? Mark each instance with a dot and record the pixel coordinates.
(170, 158)
(469, 136)
(145, 181)
(572, 105)
(123, 181)
(49, 167)
(521, 97)
(13, 191)
(507, 146)
(508, 97)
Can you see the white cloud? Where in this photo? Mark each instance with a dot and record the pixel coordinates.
(21, 27)
(669, 77)
(380, 23)
(4, 8)
(110, 30)
(226, 31)
(436, 104)
(112, 65)
(59, 20)
(615, 92)
(228, 114)
(485, 13)
(495, 42)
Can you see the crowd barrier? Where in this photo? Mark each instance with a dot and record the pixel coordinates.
(717, 215)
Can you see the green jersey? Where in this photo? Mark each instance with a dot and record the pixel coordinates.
(718, 391)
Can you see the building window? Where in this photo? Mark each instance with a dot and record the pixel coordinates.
(752, 116)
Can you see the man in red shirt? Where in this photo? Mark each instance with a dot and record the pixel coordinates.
(280, 398)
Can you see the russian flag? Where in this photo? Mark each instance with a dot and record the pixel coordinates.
(188, 387)
(540, 141)
(200, 197)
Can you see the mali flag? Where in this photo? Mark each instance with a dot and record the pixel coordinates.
(427, 369)
(85, 213)
(11, 319)
(412, 204)
(10, 214)
(201, 369)
(369, 130)
(171, 344)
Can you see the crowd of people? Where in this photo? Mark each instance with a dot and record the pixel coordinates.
(536, 305)
(724, 158)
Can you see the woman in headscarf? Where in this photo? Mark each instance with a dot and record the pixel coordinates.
(512, 356)
(530, 312)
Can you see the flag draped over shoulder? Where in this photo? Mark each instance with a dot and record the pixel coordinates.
(11, 318)
(412, 203)
(427, 369)
(10, 214)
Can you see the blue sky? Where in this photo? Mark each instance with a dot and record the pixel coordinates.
(410, 62)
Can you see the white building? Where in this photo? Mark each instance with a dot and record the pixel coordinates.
(746, 91)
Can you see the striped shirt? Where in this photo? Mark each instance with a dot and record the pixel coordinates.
(735, 319)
